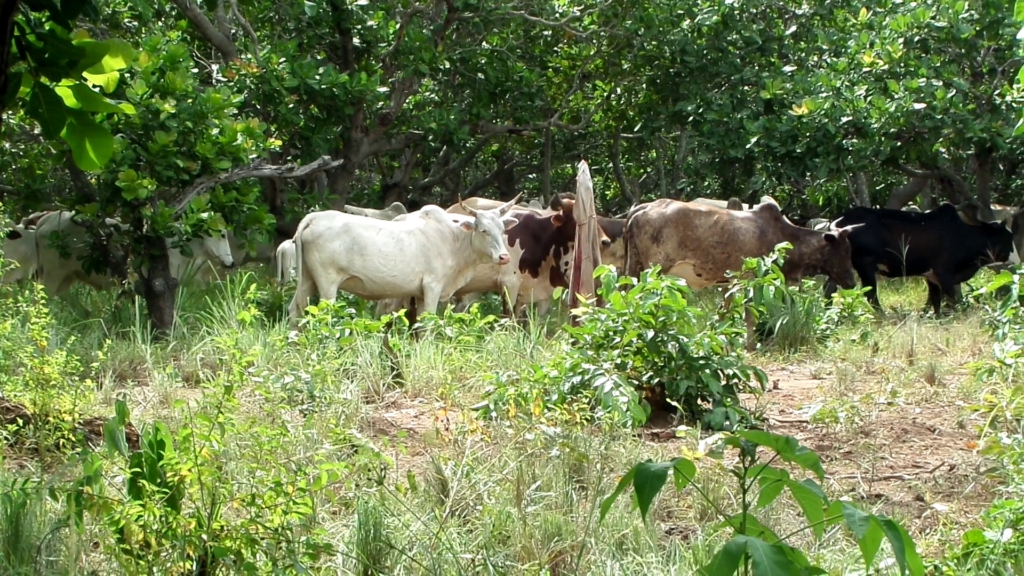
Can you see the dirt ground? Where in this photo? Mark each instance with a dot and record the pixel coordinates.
(917, 463)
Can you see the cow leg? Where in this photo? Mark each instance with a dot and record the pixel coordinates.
(935, 296)
(830, 288)
(869, 279)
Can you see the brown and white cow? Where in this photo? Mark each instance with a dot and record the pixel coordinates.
(700, 243)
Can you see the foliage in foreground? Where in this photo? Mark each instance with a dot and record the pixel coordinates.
(997, 547)
(648, 344)
(754, 546)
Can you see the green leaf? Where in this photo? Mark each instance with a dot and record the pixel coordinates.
(650, 477)
(107, 81)
(626, 480)
(727, 561)
(1018, 10)
(311, 8)
(113, 435)
(13, 87)
(903, 547)
(865, 530)
(812, 505)
(683, 472)
(768, 559)
(770, 490)
(47, 108)
(118, 56)
(92, 145)
(80, 96)
(788, 448)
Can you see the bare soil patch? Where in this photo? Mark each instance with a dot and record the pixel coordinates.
(916, 462)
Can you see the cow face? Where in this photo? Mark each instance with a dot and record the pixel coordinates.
(218, 247)
(836, 262)
(18, 246)
(488, 229)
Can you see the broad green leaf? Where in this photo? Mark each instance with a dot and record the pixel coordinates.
(768, 559)
(1018, 10)
(787, 448)
(903, 547)
(812, 505)
(95, 51)
(80, 96)
(727, 561)
(120, 406)
(683, 473)
(47, 108)
(108, 81)
(770, 490)
(113, 435)
(650, 477)
(119, 55)
(92, 145)
(866, 531)
(626, 480)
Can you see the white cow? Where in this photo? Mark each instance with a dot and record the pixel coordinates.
(427, 257)
(389, 213)
(57, 275)
(200, 267)
(284, 261)
(19, 247)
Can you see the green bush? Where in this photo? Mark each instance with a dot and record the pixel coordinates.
(646, 344)
(794, 318)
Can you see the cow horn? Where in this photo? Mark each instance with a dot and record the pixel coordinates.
(468, 210)
(508, 205)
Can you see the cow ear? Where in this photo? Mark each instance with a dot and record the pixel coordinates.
(467, 225)
(509, 222)
(831, 237)
(13, 235)
(557, 219)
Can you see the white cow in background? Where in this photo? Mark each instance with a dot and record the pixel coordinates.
(57, 275)
(389, 213)
(284, 261)
(428, 257)
(201, 266)
(19, 247)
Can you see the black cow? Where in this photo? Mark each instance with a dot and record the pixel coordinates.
(937, 245)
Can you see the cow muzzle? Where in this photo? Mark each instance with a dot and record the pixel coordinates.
(503, 259)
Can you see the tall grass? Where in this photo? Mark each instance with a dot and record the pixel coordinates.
(422, 486)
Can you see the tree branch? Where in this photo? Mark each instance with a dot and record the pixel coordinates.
(237, 13)
(222, 43)
(563, 24)
(387, 59)
(257, 169)
(491, 178)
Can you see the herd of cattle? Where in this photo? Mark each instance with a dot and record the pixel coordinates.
(416, 260)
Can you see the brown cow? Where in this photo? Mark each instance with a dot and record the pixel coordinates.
(700, 243)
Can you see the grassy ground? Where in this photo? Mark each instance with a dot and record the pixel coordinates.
(400, 476)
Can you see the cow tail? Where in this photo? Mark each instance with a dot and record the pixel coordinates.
(276, 259)
(634, 263)
(298, 249)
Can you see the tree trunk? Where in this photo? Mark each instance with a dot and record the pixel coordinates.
(625, 190)
(506, 177)
(906, 194)
(659, 147)
(858, 185)
(8, 8)
(545, 170)
(159, 288)
(983, 189)
(677, 167)
(925, 200)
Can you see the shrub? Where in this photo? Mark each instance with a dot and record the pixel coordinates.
(793, 318)
(752, 544)
(646, 344)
